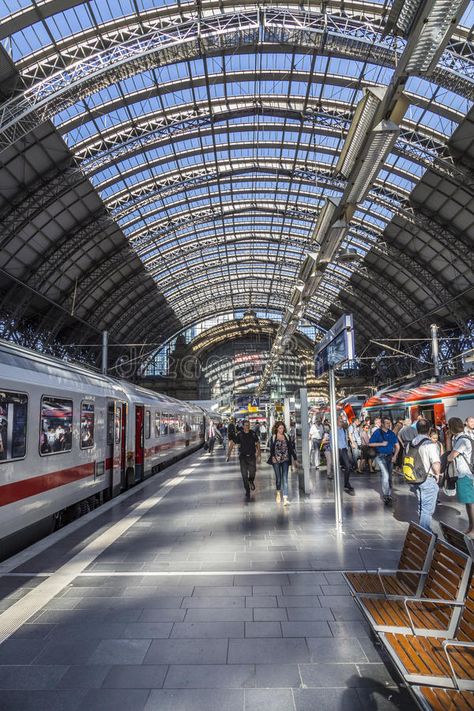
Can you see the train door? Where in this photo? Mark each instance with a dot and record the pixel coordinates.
(139, 442)
(122, 421)
(109, 452)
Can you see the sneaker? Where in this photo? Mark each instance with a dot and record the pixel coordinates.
(247, 494)
(349, 489)
(387, 500)
(252, 485)
(285, 501)
(278, 497)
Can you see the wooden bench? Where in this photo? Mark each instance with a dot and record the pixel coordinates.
(456, 538)
(437, 661)
(430, 699)
(407, 579)
(433, 615)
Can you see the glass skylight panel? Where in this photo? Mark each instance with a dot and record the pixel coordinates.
(9, 7)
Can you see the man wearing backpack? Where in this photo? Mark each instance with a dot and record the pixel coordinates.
(385, 442)
(427, 465)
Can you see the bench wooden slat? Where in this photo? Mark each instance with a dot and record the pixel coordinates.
(448, 699)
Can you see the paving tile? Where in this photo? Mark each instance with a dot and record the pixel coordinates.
(83, 677)
(280, 676)
(230, 614)
(24, 677)
(299, 579)
(261, 601)
(344, 649)
(196, 700)
(210, 676)
(268, 700)
(334, 579)
(301, 589)
(347, 614)
(187, 651)
(33, 631)
(299, 601)
(335, 601)
(120, 651)
(309, 613)
(228, 591)
(206, 630)
(350, 628)
(269, 614)
(162, 614)
(328, 700)
(306, 628)
(96, 630)
(276, 651)
(267, 590)
(41, 700)
(114, 700)
(213, 602)
(262, 629)
(57, 652)
(329, 675)
(134, 676)
(257, 579)
(386, 699)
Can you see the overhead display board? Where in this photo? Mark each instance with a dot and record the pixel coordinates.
(337, 346)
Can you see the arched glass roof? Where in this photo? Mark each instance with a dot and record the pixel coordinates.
(212, 131)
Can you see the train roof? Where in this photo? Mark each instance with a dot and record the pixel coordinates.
(463, 386)
(77, 376)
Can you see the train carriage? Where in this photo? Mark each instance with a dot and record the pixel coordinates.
(71, 438)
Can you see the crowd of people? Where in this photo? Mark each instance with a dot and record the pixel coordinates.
(443, 456)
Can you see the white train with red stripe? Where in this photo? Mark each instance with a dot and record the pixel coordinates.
(71, 439)
(437, 401)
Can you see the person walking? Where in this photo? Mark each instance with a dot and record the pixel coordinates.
(355, 442)
(365, 460)
(343, 449)
(326, 448)
(249, 454)
(316, 433)
(429, 464)
(461, 455)
(387, 446)
(211, 436)
(282, 453)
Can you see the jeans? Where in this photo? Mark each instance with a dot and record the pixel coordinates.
(281, 476)
(427, 495)
(385, 464)
(210, 444)
(314, 453)
(248, 469)
(346, 465)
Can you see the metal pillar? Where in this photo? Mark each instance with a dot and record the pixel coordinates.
(105, 346)
(435, 349)
(304, 439)
(335, 449)
(286, 413)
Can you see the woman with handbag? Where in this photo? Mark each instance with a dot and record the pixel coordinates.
(282, 453)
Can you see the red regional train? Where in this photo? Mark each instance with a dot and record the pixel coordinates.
(437, 402)
(71, 439)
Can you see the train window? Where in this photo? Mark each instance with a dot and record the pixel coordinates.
(110, 423)
(56, 425)
(147, 424)
(164, 423)
(118, 424)
(13, 415)
(157, 423)
(87, 425)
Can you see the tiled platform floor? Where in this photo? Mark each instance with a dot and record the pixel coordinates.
(209, 602)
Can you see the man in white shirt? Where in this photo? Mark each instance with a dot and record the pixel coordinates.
(427, 492)
(316, 433)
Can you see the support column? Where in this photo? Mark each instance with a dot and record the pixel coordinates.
(304, 441)
(335, 450)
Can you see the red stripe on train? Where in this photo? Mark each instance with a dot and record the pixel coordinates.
(39, 484)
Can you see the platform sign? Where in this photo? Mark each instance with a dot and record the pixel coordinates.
(336, 347)
(253, 404)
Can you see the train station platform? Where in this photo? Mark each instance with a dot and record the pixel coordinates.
(180, 595)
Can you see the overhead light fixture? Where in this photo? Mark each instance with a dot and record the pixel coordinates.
(402, 16)
(295, 297)
(348, 255)
(331, 241)
(439, 19)
(360, 126)
(308, 268)
(324, 218)
(379, 145)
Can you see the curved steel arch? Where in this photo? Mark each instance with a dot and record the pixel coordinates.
(281, 29)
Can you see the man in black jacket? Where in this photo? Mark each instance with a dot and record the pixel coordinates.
(249, 453)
